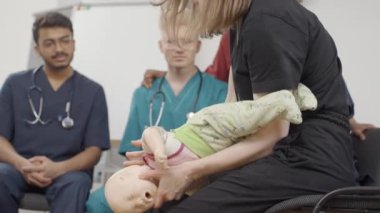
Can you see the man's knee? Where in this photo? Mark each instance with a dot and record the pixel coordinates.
(75, 179)
(9, 175)
(12, 184)
(7, 170)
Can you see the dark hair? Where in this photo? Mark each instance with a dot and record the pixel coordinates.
(48, 20)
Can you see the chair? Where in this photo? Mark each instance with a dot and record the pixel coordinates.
(34, 201)
(363, 198)
(38, 202)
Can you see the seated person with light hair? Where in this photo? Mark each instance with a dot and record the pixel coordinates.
(210, 130)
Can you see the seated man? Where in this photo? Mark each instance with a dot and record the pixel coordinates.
(54, 125)
(210, 130)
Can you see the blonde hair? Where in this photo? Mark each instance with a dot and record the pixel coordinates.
(182, 19)
(212, 18)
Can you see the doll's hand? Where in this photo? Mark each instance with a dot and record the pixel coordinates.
(161, 159)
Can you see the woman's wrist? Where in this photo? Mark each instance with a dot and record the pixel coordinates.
(195, 170)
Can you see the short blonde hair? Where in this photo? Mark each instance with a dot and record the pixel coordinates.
(214, 17)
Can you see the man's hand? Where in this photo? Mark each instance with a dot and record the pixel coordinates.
(150, 75)
(33, 178)
(358, 129)
(44, 166)
(38, 179)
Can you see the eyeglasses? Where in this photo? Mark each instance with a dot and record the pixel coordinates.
(62, 42)
(181, 44)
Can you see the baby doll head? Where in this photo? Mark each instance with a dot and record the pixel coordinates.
(126, 192)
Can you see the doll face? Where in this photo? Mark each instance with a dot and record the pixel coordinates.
(126, 192)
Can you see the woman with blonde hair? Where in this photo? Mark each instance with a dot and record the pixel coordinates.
(275, 44)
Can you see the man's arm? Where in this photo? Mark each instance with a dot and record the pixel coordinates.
(9, 155)
(150, 75)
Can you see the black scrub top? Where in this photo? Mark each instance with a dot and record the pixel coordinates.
(88, 109)
(280, 44)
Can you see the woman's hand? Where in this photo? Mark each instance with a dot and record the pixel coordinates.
(134, 158)
(173, 182)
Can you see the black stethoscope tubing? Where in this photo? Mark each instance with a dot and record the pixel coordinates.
(163, 99)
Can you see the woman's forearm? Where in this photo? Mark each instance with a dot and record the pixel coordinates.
(248, 150)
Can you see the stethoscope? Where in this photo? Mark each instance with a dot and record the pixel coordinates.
(163, 99)
(66, 122)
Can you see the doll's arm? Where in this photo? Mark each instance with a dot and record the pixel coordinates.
(153, 142)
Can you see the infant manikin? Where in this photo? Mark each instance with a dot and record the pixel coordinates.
(210, 130)
(124, 197)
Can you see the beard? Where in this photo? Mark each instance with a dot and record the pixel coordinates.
(58, 66)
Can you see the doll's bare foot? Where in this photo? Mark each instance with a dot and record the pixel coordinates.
(161, 159)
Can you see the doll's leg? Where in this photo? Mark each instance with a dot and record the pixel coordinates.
(153, 142)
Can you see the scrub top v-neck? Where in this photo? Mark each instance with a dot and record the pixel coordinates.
(176, 106)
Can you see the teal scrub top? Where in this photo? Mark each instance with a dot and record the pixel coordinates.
(176, 108)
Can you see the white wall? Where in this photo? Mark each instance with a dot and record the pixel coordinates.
(355, 27)
(354, 24)
(115, 44)
(16, 19)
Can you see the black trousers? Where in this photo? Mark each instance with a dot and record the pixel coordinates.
(312, 161)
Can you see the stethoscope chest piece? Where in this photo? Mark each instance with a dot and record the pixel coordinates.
(67, 123)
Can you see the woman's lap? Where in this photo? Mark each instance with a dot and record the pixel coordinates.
(258, 186)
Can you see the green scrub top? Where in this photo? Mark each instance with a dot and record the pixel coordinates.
(176, 108)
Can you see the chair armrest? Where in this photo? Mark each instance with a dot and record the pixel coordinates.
(355, 190)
